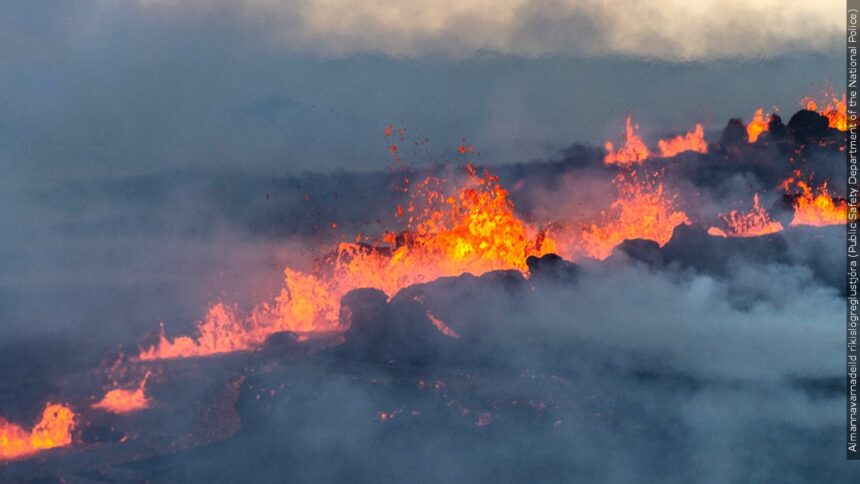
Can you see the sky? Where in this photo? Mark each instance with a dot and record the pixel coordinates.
(110, 88)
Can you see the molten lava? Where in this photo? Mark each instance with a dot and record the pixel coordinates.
(754, 223)
(473, 230)
(221, 331)
(835, 110)
(816, 207)
(757, 126)
(633, 151)
(125, 401)
(692, 141)
(441, 326)
(643, 210)
(53, 430)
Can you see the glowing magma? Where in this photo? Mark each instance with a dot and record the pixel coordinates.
(121, 400)
(54, 429)
(643, 210)
(474, 230)
(633, 151)
(816, 207)
(692, 141)
(834, 109)
(754, 223)
(758, 125)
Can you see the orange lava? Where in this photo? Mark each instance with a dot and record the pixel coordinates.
(834, 109)
(633, 151)
(816, 207)
(221, 331)
(643, 210)
(125, 401)
(53, 430)
(754, 223)
(473, 230)
(692, 141)
(758, 125)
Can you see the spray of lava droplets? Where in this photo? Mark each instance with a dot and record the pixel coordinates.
(834, 109)
(633, 151)
(54, 429)
(643, 210)
(754, 223)
(815, 207)
(474, 230)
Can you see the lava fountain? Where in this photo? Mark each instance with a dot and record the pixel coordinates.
(692, 141)
(54, 429)
(472, 230)
(754, 223)
(120, 400)
(814, 206)
(643, 210)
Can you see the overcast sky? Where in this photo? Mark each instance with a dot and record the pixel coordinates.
(114, 87)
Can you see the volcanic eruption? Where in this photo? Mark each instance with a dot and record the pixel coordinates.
(489, 301)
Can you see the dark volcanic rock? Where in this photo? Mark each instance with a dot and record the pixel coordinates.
(775, 128)
(642, 250)
(551, 267)
(379, 332)
(734, 133)
(365, 313)
(691, 246)
(807, 125)
(509, 278)
(283, 339)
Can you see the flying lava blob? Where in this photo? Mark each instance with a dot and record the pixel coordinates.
(758, 125)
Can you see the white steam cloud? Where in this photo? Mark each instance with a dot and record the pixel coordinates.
(661, 29)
